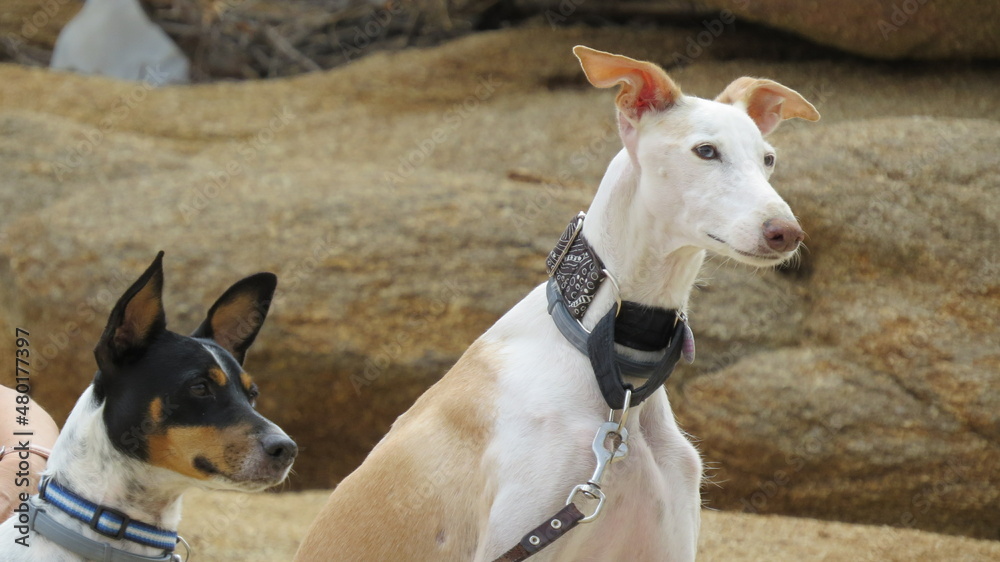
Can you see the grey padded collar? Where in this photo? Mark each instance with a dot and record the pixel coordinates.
(577, 335)
(43, 524)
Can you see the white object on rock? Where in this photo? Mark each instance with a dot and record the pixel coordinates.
(116, 38)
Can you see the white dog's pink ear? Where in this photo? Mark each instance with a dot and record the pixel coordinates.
(767, 102)
(645, 87)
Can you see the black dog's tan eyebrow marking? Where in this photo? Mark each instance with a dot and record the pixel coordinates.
(218, 376)
(246, 380)
(156, 410)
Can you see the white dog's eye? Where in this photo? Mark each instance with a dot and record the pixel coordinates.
(769, 160)
(706, 151)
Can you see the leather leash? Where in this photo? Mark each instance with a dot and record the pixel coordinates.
(545, 534)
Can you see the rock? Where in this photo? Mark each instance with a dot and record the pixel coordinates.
(877, 387)
(884, 29)
(34, 24)
(225, 526)
(407, 200)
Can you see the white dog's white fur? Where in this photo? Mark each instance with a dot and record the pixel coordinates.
(493, 449)
(116, 38)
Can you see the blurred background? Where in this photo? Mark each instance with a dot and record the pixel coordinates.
(405, 166)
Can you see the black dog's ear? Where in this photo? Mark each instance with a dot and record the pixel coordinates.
(234, 319)
(135, 320)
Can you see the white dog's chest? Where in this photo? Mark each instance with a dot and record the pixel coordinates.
(632, 525)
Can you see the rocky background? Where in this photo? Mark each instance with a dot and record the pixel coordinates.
(407, 199)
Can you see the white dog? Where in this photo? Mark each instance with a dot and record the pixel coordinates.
(115, 38)
(495, 447)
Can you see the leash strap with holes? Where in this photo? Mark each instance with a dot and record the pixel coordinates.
(610, 445)
(545, 534)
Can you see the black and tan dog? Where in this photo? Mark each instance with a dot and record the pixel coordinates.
(165, 412)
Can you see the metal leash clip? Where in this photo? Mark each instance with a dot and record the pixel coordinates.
(610, 445)
(175, 557)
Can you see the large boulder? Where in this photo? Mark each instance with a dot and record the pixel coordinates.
(228, 527)
(408, 200)
(863, 381)
(884, 29)
(33, 25)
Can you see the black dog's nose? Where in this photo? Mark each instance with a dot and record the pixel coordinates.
(279, 447)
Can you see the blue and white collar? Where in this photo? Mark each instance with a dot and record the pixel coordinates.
(106, 521)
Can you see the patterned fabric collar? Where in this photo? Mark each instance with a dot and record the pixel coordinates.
(576, 268)
(578, 273)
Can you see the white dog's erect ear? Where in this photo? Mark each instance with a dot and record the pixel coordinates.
(767, 102)
(645, 86)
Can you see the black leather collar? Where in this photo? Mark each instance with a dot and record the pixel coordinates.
(644, 328)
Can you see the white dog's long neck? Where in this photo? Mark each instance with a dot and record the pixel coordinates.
(85, 461)
(650, 268)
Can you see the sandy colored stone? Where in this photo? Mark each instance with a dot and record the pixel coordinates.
(34, 23)
(884, 29)
(231, 527)
(407, 200)
(863, 382)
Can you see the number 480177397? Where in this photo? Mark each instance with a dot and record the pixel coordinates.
(23, 375)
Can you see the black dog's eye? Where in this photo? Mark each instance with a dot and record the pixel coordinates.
(706, 151)
(200, 389)
(769, 160)
(254, 393)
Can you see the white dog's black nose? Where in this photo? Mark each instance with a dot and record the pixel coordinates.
(279, 448)
(783, 235)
